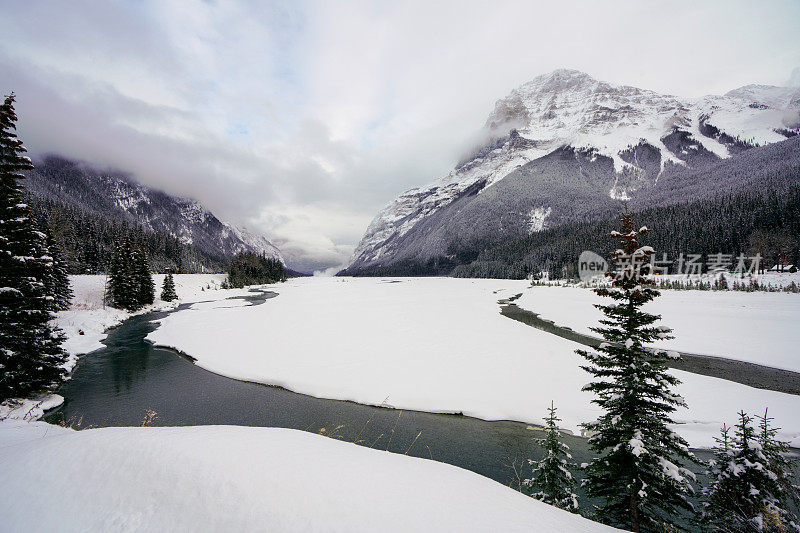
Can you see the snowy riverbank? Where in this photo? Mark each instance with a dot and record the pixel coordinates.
(757, 327)
(430, 344)
(87, 322)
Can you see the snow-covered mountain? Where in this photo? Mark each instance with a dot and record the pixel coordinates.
(573, 144)
(117, 195)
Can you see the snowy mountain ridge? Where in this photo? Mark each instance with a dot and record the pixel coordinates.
(118, 195)
(641, 131)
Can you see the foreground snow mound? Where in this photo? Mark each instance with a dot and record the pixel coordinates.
(429, 344)
(231, 478)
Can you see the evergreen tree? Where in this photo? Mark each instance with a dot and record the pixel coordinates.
(745, 493)
(120, 285)
(145, 290)
(777, 452)
(552, 476)
(31, 356)
(58, 283)
(130, 284)
(168, 288)
(638, 474)
(249, 268)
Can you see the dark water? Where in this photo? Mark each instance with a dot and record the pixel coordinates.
(116, 385)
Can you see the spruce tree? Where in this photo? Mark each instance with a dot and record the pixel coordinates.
(745, 493)
(145, 290)
(551, 475)
(638, 474)
(31, 356)
(777, 453)
(130, 284)
(58, 283)
(168, 288)
(120, 282)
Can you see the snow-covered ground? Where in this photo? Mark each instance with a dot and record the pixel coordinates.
(436, 344)
(758, 327)
(230, 478)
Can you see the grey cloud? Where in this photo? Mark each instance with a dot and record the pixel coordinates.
(302, 119)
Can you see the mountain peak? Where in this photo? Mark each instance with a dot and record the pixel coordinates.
(561, 75)
(770, 95)
(617, 139)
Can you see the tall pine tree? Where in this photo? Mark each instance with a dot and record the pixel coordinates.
(145, 288)
(58, 282)
(551, 475)
(120, 286)
(638, 475)
(130, 285)
(31, 356)
(777, 453)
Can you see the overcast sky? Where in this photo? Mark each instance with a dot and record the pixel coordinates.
(302, 119)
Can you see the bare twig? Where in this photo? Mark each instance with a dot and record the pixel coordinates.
(395, 427)
(356, 440)
(376, 441)
(150, 416)
(412, 442)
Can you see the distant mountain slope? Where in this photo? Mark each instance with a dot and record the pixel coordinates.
(563, 148)
(86, 240)
(118, 197)
(753, 194)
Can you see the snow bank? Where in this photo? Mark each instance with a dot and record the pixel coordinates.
(429, 344)
(230, 478)
(87, 320)
(758, 327)
(30, 408)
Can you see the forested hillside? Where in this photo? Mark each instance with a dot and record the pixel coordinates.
(88, 208)
(86, 240)
(749, 222)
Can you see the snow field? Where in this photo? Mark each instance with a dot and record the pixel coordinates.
(89, 316)
(431, 344)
